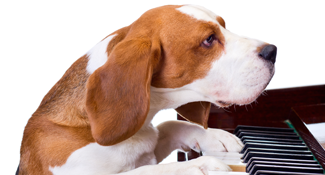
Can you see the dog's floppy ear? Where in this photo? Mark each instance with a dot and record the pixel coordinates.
(118, 93)
(196, 112)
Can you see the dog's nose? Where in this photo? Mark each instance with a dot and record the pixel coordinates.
(268, 53)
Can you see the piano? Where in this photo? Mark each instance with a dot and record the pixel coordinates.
(286, 110)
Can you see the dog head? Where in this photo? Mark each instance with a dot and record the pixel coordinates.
(185, 51)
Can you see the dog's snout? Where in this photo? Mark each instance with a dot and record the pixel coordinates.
(268, 52)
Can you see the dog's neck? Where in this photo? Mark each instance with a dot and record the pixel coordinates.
(171, 98)
(165, 98)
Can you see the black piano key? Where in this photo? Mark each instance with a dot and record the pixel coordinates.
(272, 146)
(276, 147)
(265, 172)
(249, 167)
(270, 139)
(281, 160)
(277, 155)
(279, 168)
(276, 150)
(266, 132)
(300, 142)
(284, 151)
(260, 128)
(256, 134)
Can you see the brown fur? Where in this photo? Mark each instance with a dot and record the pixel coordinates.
(111, 105)
(221, 22)
(182, 47)
(196, 112)
(113, 110)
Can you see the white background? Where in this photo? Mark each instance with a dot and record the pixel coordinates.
(39, 40)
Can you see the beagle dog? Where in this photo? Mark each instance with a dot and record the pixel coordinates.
(96, 120)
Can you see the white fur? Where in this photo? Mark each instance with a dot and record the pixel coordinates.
(97, 56)
(184, 136)
(199, 12)
(144, 148)
(238, 76)
(200, 166)
(96, 159)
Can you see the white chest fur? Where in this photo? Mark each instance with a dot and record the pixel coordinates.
(129, 154)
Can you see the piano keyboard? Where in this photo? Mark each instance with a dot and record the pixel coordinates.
(269, 151)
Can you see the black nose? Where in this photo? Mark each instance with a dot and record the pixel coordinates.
(268, 53)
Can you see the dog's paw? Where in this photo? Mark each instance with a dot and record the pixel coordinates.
(202, 165)
(217, 140)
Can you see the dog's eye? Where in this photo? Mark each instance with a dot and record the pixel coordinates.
(208, 42)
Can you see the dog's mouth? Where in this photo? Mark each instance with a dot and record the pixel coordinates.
(241, 102)
(224, 103)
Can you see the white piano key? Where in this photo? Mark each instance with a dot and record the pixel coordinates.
(224, 155)
(232, 159)
(226, 173)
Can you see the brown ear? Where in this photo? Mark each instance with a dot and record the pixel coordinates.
(196, 112)
(118, 93)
